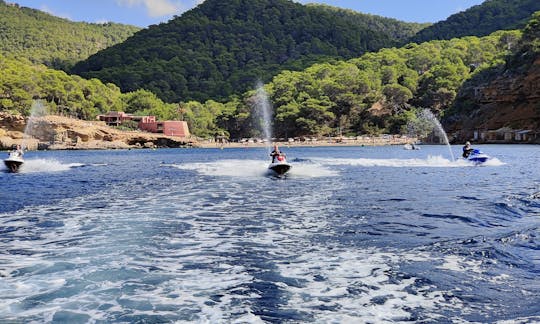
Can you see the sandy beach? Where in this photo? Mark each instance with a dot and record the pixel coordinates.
(358, 141)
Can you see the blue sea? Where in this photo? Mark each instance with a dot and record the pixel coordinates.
(349, 235)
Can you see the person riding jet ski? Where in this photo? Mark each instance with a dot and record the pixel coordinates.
(276, 153)
(467, 149)
(279, 162)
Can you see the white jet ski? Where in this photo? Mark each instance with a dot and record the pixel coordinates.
(280, 165)
(410, 147)
(14, 161)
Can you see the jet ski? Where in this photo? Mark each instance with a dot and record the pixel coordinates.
(478, 157)
(410, 147)
(14, 161)
(280, 165)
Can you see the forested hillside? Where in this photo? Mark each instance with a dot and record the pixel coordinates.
(482, 20)
(380, 92)
(377, 93)
(374, 93)
(22, 82)
(398, 30)
(222, 48)
(55, 42)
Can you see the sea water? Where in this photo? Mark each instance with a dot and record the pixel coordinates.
(351, 234)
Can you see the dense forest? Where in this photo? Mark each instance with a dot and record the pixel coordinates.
(22, 82)
(222, 48)
(481, 20)
(377, 93)
(398, 30)
(55, 42)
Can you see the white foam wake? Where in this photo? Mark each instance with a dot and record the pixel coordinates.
(430, 161)
(362, 285)
(253, 169)
(46, 165)
(493, 162)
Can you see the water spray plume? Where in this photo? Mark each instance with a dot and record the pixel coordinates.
(427, 123)
(37, 110)
(264, 109)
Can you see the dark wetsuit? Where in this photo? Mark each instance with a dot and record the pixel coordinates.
(467, 150)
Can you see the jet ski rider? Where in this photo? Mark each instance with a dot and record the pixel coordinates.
(18, 151)
(467, 149)
(276, 153)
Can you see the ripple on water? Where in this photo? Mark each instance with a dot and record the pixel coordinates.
(204, 243)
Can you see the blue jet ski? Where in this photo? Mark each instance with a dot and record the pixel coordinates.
(478, 157)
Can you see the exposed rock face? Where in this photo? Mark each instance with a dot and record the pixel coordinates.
(56, 132)
(511, 102)
(12, 132)
(12, 122)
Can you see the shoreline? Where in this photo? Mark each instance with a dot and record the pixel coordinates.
(119, 145)
(373, 141)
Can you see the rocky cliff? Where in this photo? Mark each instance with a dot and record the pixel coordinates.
(510, 102)
(56, 132)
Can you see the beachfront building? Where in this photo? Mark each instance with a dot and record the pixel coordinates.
(115, 118)
(147, 123)
(168, 127)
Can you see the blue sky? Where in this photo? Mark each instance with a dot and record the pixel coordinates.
(147, 12)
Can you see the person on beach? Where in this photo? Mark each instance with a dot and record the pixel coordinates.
(467, 149)
(276, 153)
